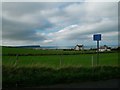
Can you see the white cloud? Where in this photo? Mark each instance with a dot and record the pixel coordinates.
(101, 0)
(76, 31)
(60, 1)
(47, 41)
(44, 23)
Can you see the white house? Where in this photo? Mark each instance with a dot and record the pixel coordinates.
(79, 47)
(104, 48)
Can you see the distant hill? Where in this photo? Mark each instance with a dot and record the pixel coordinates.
(27, 46)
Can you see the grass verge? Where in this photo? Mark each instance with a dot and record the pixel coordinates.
(37, 76)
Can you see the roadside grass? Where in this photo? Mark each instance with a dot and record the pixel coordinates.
(37, 76)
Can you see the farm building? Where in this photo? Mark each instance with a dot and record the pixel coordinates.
(79, 47)
(104, 48)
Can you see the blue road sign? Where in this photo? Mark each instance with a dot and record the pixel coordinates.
(97, 37)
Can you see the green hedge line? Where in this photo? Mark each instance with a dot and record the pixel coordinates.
(36, 76)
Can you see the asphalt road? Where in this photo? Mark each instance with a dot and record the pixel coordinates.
(111, 84)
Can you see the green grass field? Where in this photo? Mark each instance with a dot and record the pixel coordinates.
(6, 50)
(43, 67)
(62, 60)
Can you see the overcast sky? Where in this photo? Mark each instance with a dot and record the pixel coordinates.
(59, 23)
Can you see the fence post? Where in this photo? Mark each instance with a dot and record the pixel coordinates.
(92, 61)
(16, 59)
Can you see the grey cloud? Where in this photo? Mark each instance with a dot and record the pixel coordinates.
(21, 20)
(19, 31)
(82, 32)
(24, 36)
(21, 8)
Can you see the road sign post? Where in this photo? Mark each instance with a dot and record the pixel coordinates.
(97, 52)
(97, 37)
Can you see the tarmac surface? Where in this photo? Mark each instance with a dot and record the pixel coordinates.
(113, 84)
